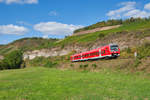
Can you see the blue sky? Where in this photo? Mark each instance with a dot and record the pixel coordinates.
(58, 18)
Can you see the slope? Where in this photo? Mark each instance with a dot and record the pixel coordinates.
(27, 44)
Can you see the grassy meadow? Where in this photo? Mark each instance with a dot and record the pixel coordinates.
(52, 84)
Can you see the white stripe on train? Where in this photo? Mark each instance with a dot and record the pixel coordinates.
(95, 58)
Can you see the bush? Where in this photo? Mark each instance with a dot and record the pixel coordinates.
(86, 65)
(81, 66)
(44, 62)
(128, 50)
(49, 64)
(137, 62)
(71, 65)
(1, 65)
(101, 35)
(94, 65)
(13, 60)
(144, 50)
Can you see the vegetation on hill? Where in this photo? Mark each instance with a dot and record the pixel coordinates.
(110, 23)
(27, 44)
(129, 25)
(135, 26)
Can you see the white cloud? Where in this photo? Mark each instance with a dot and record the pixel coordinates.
(137, 13)
(54, 28)
(19, 1)
(53, 13)
(13, 29)
(127, 6)
(127, 10)
(31, 1)
(45, 36)
(147, 6)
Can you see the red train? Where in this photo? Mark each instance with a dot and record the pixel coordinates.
(108, 51)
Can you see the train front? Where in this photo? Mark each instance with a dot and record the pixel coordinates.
(115, 51)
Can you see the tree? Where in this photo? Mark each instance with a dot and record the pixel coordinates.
(13, 60)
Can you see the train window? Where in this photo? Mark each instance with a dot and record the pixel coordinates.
(104, 51)
(79, 56)
(97, 53)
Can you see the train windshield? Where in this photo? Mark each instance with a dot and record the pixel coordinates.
(114, 47)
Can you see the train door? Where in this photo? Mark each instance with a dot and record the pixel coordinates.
(100, 53)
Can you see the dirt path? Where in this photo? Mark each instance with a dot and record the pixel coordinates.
(97, 29)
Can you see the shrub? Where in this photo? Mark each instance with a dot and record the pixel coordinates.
(86, 65)
(49, 64)
(1, 65)
(71, 65)
(44, 62)
(94, 65)
(13, 60)
(144, 50)
(81, 66)
(128, 50)
(101, 35)
(137, 62)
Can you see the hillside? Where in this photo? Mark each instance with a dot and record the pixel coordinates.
(27, 44)
(131, 33)
(97, 29)
(100, 25)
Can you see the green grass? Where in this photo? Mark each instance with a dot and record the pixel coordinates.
(52, 84)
